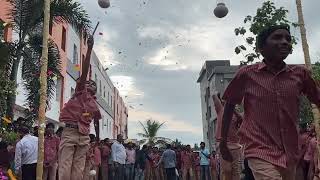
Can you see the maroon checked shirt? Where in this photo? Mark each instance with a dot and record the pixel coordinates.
(271, 108)
(80, 110)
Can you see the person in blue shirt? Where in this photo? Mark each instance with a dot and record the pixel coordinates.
(204, 162)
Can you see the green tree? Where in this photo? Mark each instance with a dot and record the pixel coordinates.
(150, 133)
(196, 147)
(31, 73)
(267, 15)
(7, 51)
(177, 143)
(27, 16)
(306, 115)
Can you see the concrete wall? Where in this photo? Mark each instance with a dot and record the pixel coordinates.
(214, 76)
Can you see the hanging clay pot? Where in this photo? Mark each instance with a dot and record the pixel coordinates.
(104, 3)
(221, 10)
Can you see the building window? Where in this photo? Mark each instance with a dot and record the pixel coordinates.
(50, 28)
(104, 91)
(209, 111)
(207, 95)
(58, 89)
(64, 37)
(117, 109)
(72, 91)
(75, 54)
(108, 98)
(111, 102)
(100, 89)
(95, 78)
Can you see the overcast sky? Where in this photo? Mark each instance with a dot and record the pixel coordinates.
(154, 50)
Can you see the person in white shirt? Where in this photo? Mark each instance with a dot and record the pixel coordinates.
(119, 156)
(26, 155)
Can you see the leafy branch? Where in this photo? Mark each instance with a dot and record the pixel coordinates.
(267, 15)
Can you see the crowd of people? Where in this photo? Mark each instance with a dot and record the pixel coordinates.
(115, 160)
(108, 159)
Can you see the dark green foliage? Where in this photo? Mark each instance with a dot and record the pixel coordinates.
(196, 147)
(7, 51)
(267, 15)
(150, 133)
(306, 115)
(31, 73)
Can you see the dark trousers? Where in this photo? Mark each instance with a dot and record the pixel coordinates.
(171, 173)
(205, 172)
(29, 171)
(119, 172)
(247, 171)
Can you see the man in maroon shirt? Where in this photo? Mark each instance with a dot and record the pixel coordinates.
(105, 155)
(51, 148)
(271, 91)
(187, 163)
(77, 115)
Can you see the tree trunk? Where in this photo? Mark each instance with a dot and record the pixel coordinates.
(305, 47)
(43, 88)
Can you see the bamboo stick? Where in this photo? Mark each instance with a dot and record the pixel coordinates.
(43, 88)
(305, 47)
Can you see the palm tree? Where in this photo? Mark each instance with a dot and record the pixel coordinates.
(177, 143)
(150, 131)
(31, 69)
(28, 16)
(7, 52)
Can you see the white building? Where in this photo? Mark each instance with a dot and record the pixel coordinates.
(214, 76)
(105, 97)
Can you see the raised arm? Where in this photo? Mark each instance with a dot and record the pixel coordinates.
(227, 118)
(86, 64)
(217, 104)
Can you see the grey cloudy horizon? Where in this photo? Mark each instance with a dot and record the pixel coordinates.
(155, 50)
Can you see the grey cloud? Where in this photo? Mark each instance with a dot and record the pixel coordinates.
(176, 92)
